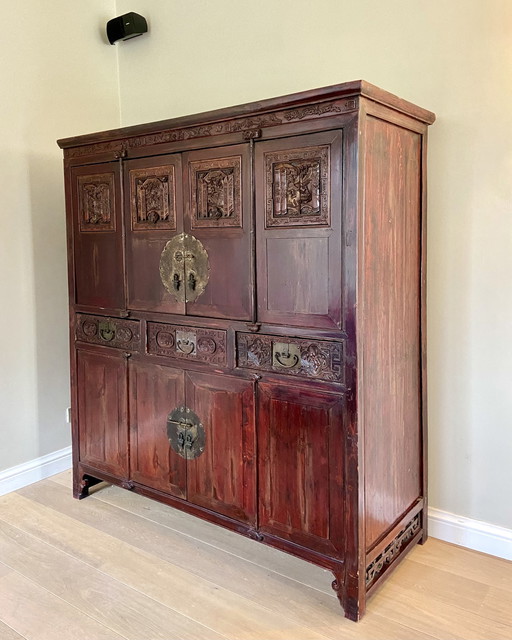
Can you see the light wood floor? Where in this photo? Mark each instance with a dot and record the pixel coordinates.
(118, 565)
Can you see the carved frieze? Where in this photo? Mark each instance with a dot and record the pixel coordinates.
(316, 359)
(96, 202)
(110, 332)
(191, 343)
(153, 198)
(375, 568)
(234, 125)
(297, 187)
(216, 192)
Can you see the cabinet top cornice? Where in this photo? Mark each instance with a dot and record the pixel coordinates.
(336, 92)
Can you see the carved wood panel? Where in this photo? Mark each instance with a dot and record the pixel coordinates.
(191, 343)
(297, 187)
(96, 202)
(292, 356)
(110, 332)
(153, 198)
(216, 192)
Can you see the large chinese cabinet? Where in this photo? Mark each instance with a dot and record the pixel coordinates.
(247, 308)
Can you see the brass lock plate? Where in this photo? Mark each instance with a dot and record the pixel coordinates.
(186, 342)
(184, 268)
(106, 330)
(285, 355)
(186, 433)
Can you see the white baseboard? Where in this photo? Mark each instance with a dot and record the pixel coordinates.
(34, 470)
(473, 534)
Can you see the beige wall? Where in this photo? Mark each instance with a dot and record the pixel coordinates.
(451, 56)
(58, 78)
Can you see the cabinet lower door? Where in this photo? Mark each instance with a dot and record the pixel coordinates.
(223, 477)
(155, 391)
(102, 411)
(300, 470)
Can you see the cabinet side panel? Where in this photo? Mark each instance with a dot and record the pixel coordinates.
(391, 339)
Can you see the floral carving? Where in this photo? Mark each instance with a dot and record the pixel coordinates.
(153, 198)
(114, 332)
(191, 343)
(216, 192)
(318, 359)
(297, 187)
(393, 549)
(96, 202)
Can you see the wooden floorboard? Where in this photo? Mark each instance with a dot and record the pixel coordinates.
(118, 565)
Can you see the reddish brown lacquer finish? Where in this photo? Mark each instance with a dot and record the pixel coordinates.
(298, 222)
(265, 370)
(223, 478)
(390, 297)
(102, 410)
(97, 226)
(218, 214)
(300, 466)
(154, 392)
(153, 215)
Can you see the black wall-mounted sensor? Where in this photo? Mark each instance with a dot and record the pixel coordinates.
(125, 27)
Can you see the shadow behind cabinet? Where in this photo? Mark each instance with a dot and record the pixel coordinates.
(247, 305)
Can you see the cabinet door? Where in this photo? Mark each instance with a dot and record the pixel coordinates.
(218, 214)
(98, 237)
(102, 411)
(223, 477)
(298, 214)
(300, 448)
(154, 215)
(155, 391)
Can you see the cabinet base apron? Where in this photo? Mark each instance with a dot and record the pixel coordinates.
(384, 560)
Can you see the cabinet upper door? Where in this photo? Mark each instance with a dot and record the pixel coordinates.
(98, 236)
(298, 237)
(154, 215)
(300, 452)
(218, 216)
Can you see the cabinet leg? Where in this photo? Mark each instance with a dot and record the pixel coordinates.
(352, 603)
(81, 486)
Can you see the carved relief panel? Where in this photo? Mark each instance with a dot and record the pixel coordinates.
(96, 202)
(317, 359)
(153, 198)
(297, 187)
(191, 343)
(216, 192)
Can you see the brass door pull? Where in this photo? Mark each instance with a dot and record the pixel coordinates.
(192, 281)
(185, 346)
(287, 359)
(176, 282)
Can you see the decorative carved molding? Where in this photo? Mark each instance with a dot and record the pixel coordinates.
(297, 187)
(235, 125)
(96, 202)
(377, 567)
(153, 198)
(316, 359)
(320, 109)
(216, 192)
(111, 332)
(190, 343)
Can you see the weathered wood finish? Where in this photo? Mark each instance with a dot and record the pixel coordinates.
(274, 382)
(301, 498)
(390, 339)
(102, 407)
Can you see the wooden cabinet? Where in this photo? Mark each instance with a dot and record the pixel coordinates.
(247, 305)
